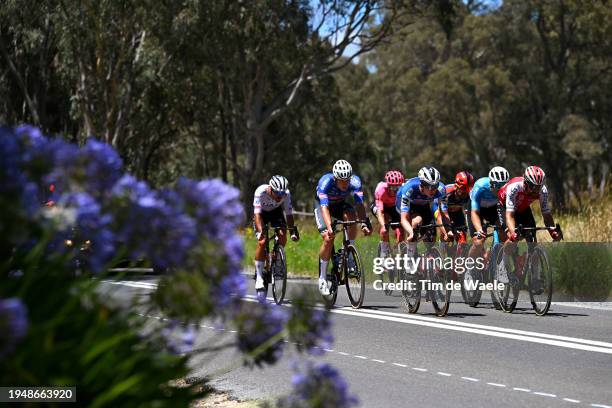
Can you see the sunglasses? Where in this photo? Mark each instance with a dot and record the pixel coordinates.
(393, 188)
(427, 187)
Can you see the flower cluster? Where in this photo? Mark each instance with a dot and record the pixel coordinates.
(319, 386)
(179, 339)
(260, 329)
(13, 324)
(309, 327)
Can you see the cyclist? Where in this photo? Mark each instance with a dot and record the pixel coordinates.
(516, 198)
(457, 198)
(414, 203)
(484, 206)
(330, 201)
(272, 202)
(383, 207)
(515, 203)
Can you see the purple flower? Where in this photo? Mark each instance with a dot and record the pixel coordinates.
(320, 386)
(102, 166)
(259, 327)
(13, 324)
(179, 339)
(309, 328)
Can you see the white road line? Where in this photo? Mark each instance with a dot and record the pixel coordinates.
(470, 379)
(521, 389)
(494, 331)
(496, 384)
(449, 322)
(329, 350)
(545, 394)
(406, 319)
(400, 365)
(600, 406)
(361, 357)
(378, 361)
(419, 369)
(571, 400)
(444, 374)
(343, 353)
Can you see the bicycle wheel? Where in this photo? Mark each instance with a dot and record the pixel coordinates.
(411, 284)
(470, 286)
(388, 276)
(491, 267)
(540, 281)
(330, 300)
(279, 274)
(354, 277)
(505, 272)
(439, 277)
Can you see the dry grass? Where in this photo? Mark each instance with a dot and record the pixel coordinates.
(591, 224)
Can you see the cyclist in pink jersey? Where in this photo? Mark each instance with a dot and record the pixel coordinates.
(384, 209)
(516, 198)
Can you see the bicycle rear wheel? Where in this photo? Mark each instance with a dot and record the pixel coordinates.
(411, 284)
(279, 274)
(540, 281)
(354, 276)
(438, 279)
(388, 275)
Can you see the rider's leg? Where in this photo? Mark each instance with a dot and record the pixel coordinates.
(327, 243)
(260, 258)
(384, 239)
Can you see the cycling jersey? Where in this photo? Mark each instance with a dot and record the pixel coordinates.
(264, 201)
(513, 196)
(329, 193)
(453, 201)
(384, 196)
(410, 194)
(482, 196)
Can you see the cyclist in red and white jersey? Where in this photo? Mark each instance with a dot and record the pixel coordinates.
(516, 198)
(384, 209)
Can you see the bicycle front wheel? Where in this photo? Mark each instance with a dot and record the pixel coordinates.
(540, 281)
(279, 274)
(354, 277)
(410, 283)
(439, 277)
(505, 273)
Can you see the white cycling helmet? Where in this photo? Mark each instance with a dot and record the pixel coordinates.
(499, 175)
(342, 170)
(429, 175)
(279, 184)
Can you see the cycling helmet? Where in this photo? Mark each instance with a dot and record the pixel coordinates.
(499, 175)
(464, 180)
(394, 178)
(534, 175)
(429, 175)
(342, 170)
(279, 184)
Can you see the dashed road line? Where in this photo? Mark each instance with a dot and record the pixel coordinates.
(400, 365)
(496, 384)
(575, 401)
(361, 357)
(544, 394)
(423, 370)
(444, 374)
(521, 389)
(470, 379)
(379, 361)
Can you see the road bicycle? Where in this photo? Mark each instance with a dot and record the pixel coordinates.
(531, 268)
(275, 266)
(430, 271)
(347, 269)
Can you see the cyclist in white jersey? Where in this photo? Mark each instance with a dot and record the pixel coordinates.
(271, 204)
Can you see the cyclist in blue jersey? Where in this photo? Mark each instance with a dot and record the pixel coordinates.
(484, 206)
(332, 190)
(415, 199)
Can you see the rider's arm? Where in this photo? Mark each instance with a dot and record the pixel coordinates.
(475, 215)
(290, 221)
(406, 224)
(327, 218)
(258, 222)
(545, 208)
(475, 209)
(510, 221)
(380, 206)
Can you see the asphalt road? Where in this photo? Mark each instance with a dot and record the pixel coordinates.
(474, 357)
